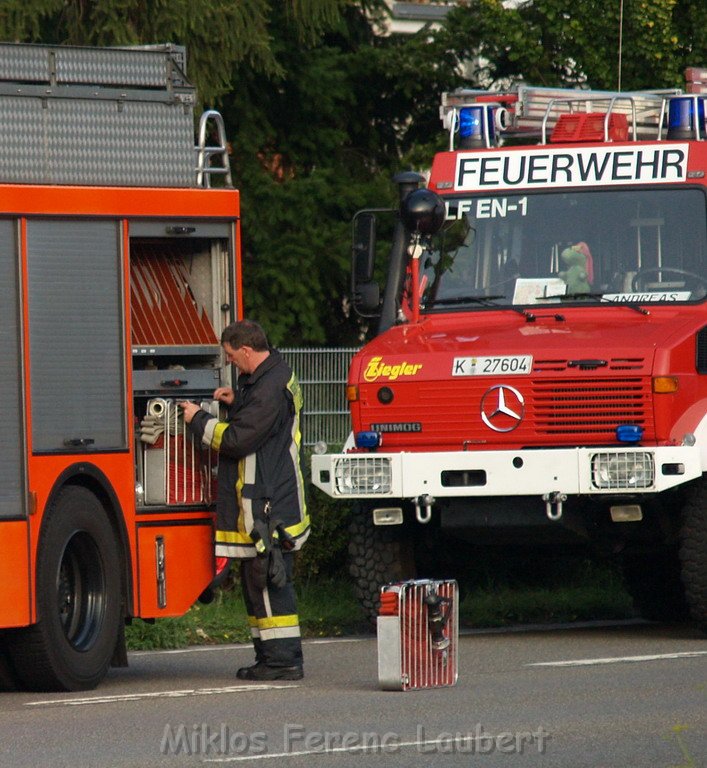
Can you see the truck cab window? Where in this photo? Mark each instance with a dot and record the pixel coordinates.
(534, 248)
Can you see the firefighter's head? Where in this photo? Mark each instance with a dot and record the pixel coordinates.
(245, 345)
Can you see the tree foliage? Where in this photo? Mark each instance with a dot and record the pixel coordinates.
(312, 146)
(321, 111)
(552, 42)
(217, 33)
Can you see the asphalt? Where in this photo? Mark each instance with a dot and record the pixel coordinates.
(619, 695)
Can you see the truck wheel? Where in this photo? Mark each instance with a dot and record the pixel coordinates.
(78, 599)
(377, 556)
(693, 552)
(8, 680)
(653, 581)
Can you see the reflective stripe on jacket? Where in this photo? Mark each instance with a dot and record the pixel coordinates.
(259, 458)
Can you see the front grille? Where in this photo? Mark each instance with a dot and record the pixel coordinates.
(543, 365)
(582, 409)
(596, 406)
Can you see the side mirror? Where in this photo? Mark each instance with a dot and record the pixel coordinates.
(364, 247)
(365, 291)
(366, 299)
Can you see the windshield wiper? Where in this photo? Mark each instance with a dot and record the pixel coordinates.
(467, 300)
(598, 297)
(486, 301)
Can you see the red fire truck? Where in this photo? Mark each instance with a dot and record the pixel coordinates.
(118, 269)
(540, 371)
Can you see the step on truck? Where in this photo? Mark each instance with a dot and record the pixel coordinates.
(539, 376)
(119, 267)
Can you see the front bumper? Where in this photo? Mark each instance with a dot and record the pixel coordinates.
(568, 471)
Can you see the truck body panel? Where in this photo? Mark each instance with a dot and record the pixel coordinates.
(119, 268)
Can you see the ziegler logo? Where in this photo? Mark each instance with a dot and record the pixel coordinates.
(377, 369)
(502, 408)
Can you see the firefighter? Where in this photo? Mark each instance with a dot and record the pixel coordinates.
(261, 516)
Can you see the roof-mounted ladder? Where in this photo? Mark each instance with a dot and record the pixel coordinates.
(531, 111)
(591, 104)
(205, 154)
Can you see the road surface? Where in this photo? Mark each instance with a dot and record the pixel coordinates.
(599, 696)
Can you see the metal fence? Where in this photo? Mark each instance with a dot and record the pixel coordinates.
(322, 374)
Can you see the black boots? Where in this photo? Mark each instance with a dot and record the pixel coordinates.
(262, 671)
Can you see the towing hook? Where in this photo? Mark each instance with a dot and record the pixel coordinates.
(553, 504)
(425, 501)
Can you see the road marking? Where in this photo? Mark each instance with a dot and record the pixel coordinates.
(241, 646)
(616, 659)
(179, 694)
(422, 745)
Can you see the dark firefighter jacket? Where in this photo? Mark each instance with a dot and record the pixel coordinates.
(259, 458)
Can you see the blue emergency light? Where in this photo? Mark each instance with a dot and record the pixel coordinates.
(629, 433)
(471, 126)
(681, 117)
(369, 440)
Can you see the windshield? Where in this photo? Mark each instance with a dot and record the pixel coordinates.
(642, 246)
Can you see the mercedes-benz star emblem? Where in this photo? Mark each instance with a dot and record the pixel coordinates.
(502, 408)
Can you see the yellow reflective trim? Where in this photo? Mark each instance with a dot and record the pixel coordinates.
(294, 387)
(273, 622)
(232, 537)
(296, 391)
(252, 621)
(219, 429)
(299, 528)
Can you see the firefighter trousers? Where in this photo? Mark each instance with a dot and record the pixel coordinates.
(272, 616)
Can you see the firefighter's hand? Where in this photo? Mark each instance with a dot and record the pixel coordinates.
(189, 410)
(224, 395)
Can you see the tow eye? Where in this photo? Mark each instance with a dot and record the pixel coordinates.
(425, 501)
(553, 504)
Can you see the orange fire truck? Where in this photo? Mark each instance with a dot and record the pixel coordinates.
(540, 372)
(118, 269)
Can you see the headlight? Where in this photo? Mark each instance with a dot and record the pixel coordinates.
(623, 470)
(364, 475)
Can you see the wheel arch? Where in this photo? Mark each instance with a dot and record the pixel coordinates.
(92, 478)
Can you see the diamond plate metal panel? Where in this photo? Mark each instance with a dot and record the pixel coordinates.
(26, 63)
(139, 144)
(112, 67)
(77, 141)
(107, 116)
(140, 67)
(21, 140)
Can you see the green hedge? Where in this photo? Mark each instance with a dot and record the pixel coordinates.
(324, 555)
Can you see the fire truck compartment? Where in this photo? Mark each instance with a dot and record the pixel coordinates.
(179, 288)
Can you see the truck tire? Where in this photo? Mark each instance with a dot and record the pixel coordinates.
(653, 581)
(693, 552)
(8, 680)
(78, 599)
(377, 555)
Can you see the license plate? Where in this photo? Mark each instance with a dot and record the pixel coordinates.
(501, 365)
